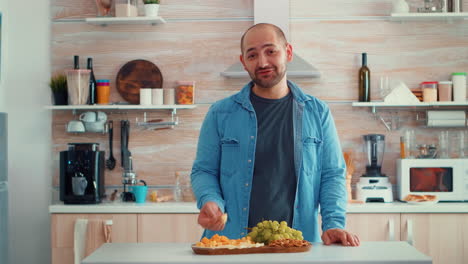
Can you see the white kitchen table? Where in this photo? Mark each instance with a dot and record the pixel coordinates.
(181, 253)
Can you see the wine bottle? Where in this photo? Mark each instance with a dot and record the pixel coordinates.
(76, 62)
(92, 83)
(364, 80)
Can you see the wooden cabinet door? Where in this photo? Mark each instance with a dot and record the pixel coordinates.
(124, 229)
(444, 237)
(169, 228)
(374, 227)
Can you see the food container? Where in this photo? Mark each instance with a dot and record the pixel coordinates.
(445, 91)
(103, 91)
(126, 8)
(185, 92)
(429, 91)
(459, 86)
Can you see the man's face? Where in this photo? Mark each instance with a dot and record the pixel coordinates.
(264, 56)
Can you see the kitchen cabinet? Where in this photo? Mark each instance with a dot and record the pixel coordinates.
(374, 227)
(168, 228)
(444, 237)
(124, 229)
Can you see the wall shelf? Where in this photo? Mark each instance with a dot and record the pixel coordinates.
(421, 105)
(119, 107)
(104, 21)
(394, 119)
(427, 16)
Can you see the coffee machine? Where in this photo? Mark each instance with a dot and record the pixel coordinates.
(374, 186)
(82, 174)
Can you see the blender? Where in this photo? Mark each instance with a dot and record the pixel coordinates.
(374, 186)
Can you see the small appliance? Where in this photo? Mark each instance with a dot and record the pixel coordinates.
(447, 179)
(374, 186)
(82, 174)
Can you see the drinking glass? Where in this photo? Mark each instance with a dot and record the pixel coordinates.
(410, 143)
(443, 145)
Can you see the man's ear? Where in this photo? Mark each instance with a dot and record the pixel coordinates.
(241, 58)
(289, 52)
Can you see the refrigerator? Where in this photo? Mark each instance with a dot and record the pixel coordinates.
(3, 189)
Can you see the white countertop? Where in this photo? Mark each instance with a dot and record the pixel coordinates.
(181, 253)
(191, 208)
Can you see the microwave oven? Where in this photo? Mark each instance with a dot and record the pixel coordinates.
(445, 178)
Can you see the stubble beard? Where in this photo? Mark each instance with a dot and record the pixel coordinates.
(267, 84)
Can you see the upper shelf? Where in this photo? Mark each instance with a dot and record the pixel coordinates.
(427, 16)
(125, 20)
(381, 104)
(120, 107)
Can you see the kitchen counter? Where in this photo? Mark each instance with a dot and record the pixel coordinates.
(181, 253)
(191, 208)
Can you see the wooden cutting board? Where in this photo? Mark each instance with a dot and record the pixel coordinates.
(264, 249)
(137, 74)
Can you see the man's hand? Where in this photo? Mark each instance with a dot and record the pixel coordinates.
(210, 217)
(336, 235)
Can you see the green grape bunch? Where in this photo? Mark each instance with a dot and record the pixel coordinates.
(268, 231)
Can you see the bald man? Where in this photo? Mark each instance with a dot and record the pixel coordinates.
(270, 152)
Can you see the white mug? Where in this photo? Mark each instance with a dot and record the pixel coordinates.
(145, 96)
(88, 117)
(157, 96)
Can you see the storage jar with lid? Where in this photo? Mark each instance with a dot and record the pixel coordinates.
(459, 86)
(185, 92)
(445, 91)
(429, 91)
(126, 8)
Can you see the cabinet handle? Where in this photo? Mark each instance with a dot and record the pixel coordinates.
(391, 230)
(409, 231)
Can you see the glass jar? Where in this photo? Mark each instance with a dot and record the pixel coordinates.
(459, 86)
(185, 92)
(445, 91)
(429, 91)
(126, 8)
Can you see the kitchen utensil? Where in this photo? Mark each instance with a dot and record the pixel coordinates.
(137, 74)
(110, 163)
(78, 86)
(124, 136)
(140, 192)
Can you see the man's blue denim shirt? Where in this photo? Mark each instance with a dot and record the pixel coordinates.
(223, 168)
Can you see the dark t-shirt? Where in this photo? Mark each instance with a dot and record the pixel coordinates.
(274, 178)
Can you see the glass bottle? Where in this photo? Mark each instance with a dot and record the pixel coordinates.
(92, 83)
(364, 80)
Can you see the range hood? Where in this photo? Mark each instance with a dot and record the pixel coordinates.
(277, 14)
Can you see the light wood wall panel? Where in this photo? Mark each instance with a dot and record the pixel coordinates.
(169, 9)
(198, 43)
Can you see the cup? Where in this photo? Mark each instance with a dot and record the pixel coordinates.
(410, 143)
(140, 192)
(75, 126)
(88, 116)
(79, 185)
(145, 96)
(157, 96)
(169, 96)
(457, 145)
(443, 145)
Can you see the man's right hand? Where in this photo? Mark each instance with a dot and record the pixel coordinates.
(210, 217)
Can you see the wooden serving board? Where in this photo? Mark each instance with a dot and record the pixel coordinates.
(137, 74)
(256, 250)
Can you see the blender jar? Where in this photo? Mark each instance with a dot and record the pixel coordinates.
(78, 86)
(126, 8)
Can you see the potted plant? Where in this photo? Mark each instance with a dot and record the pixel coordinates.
(58, 85)
(151, 8)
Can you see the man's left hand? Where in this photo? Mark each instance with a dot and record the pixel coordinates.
(336, 235)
